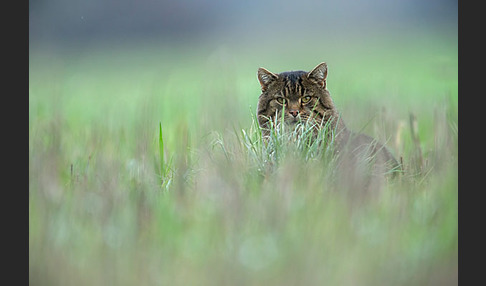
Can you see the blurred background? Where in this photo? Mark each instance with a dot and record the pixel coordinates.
(71, 23)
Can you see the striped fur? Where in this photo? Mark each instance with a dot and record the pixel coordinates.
(303, 97)
(293, 87)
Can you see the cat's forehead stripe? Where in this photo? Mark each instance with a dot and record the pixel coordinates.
(293, 83)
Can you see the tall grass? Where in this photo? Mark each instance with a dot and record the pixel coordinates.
(113, 200)
(300, 142)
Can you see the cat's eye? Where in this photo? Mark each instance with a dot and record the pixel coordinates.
(281, 100)
(306, 99)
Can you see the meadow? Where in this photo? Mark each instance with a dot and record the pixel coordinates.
(146, 167)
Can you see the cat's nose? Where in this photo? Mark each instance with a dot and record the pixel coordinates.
(294, 112)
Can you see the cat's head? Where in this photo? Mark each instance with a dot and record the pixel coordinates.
(301, 96)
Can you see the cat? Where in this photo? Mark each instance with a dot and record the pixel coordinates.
(304, 97)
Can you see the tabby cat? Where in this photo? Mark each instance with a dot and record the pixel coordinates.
(303, 97)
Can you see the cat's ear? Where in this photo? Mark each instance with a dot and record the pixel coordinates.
(319, 74)
(265, 77)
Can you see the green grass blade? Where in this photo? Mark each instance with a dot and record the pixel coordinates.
(161, 152)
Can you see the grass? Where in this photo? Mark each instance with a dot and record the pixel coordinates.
(114, 200)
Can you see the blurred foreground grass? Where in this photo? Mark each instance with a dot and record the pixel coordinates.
(99, 215)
